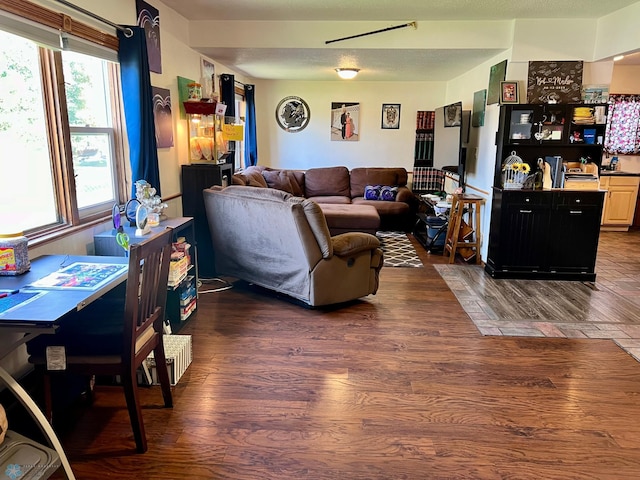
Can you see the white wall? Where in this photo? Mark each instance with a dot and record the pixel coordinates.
(312, 147)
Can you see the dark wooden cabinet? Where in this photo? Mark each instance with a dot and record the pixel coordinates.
(195, 178)
(182, 296)
(575, 221)
(546, 233)
(570, 131)
(525, 218)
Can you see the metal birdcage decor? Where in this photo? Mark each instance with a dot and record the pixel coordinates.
(514, 172)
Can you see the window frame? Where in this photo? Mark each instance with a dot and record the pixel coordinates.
(70, 218)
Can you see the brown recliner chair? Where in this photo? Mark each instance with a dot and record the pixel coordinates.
(281, 242)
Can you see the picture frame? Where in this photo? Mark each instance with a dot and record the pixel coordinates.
(148, 18)
(508, 92)
(345, 121)
(207, 77)
(479, 103)
(162, 117)
(453, 115)
(497, 74)
(183, 94)
(390, 119)
(595, 94)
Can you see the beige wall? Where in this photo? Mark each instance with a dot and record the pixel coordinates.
(312, 147)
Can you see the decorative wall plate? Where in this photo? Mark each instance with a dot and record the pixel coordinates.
(293, 114)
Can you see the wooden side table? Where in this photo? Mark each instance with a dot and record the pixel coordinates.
(461, 204)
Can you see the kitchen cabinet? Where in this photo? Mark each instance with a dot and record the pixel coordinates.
(574, 132)
(546, 234)
(620, 201)
(574, 221)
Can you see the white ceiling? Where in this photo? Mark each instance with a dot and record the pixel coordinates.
(286, 61)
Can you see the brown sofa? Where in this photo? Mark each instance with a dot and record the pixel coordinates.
(345, 191)
(294, 253)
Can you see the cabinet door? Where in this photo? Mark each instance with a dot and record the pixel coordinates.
(575, 229)
(525, 239)
(620, 202)
(519, 124)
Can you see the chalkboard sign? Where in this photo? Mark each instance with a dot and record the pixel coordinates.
(555, 82)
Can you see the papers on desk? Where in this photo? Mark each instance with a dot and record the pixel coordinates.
(81, 276)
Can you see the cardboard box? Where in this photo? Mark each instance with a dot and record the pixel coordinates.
(177, 349)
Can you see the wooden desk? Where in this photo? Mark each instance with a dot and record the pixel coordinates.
(43, 315)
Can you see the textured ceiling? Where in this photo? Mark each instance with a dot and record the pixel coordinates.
(286, 60)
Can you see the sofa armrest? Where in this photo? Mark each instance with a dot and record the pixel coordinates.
(405, 195)
(352, 243)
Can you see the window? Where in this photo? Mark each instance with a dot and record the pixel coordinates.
(58, 146)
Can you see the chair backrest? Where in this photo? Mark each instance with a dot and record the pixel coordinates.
(146, 292)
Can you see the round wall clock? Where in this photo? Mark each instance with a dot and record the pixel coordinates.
(293, 114)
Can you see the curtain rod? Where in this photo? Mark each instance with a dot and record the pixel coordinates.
(126, 30)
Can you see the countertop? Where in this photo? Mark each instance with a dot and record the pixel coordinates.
(617, 173)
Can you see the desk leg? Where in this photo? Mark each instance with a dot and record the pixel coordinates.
(39, 417)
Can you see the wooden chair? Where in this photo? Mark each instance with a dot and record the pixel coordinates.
(114, 336)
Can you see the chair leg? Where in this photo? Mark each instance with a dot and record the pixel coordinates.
(163, 375)
(130, 384)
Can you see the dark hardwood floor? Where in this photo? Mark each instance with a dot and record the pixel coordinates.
(399, 385)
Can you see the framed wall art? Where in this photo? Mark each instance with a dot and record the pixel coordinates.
(555, 82)
(149, 19)
(162, 117)
(390, 116)
(293, 114)
(345, 121)
(453, 115)
(497, 74)
(508, 92)
(479, 102)
(207, 77)
(183, 94)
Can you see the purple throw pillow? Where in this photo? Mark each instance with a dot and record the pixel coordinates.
(388, 194)
(372, 192)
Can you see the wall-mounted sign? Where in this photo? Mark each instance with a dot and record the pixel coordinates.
(555, 82)
(293, 114)
(233, 132)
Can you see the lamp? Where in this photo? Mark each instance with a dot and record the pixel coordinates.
(347, 73)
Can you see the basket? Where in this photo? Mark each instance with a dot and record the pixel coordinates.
(514, 172)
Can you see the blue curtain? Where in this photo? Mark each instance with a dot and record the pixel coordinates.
(228, 97)
(228, 93)
(250, 141)
(138, 108)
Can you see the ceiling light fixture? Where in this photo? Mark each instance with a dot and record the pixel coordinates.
(347, 73)
(618, 57)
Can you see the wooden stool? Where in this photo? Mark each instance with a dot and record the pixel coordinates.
(455, 243)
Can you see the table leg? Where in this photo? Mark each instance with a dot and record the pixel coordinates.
(39, 417)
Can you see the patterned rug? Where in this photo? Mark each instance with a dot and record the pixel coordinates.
(398, 250)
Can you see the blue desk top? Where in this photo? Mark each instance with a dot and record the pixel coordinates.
(46, 310)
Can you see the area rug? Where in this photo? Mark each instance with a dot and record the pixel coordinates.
(398, 250)
(543, 308)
